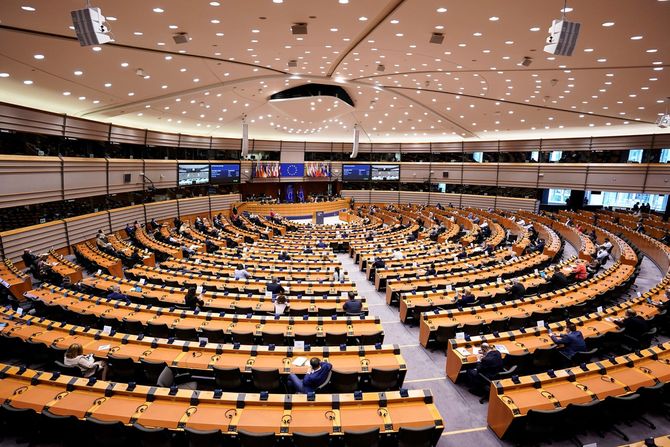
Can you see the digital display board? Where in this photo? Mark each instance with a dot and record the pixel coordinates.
(385, 172)
(192, 174)
(356, 172)
(225, 173)
(292, 170)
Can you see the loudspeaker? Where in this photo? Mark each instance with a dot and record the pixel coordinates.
(299, 28)
(562, 37)
(437, 38)
(245, 139)
(89, 24)
(180, 38)
(354, 152)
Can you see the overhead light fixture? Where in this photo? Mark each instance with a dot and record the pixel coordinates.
(292, 63)
(381, 67)
(562, 37)
(437, 38)
(299, 28)
(527, 61)
(180, 38)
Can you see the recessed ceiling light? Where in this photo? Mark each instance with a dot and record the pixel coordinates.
(81, 98)
(608, 24)
(4, 75)
(588, 50)
(602, 60)
(66, 93)
(494, 18)
(96, 49)
(159, 10)
(28, 8)
(535, 29)
(477, 34)
(173, 26)
(138, 33)
(124, 64)
(131, 94)
(218, 4)
(111, 18)
(509, 42)
(343, 2)
(28, 82)
(78, 72)
(334, 30)
(568, 9)
(636, 38)
(215, 21)
(362, 18)
(652, 50)
(108, 84)
(442, 9)
(277, 1)
(39, 57)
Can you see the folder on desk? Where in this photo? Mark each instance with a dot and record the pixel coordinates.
(300, 361)
(502, 349)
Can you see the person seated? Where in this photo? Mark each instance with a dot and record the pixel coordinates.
(241, 272)
(280, 304)
(467, 297)
(634, 325)
(379, 263)
(275, 287)
(283, 256)
(607, 245)
(130, 230)
(135, 258)
(579, 271)
(489, 365)
(321, 244)
(317, 375)
(539, 246)
(558, 280)
(192, 299)
(352, 306)
(431, 271)
(462, 254)
(571, 342)
(516, 290)
(210, 246)
(338, 275)
(593, 267)
(100, 235)
(187, 251)
(308, 250)
(397, 254)
(666, 238)
(116, 294)
(74, 356)
(29, 259)
(602, 255)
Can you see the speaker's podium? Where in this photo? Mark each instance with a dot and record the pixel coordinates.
(317, 217)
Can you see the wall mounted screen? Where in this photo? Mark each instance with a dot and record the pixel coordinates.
(192, 174)
(317, 169)
(356, 172)
(266, 169)
(292, 170)
(385, 172)
(226, 173)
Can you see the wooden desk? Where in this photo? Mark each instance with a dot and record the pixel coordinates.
(509, 402)
(661, 441)
(13, 279)
(293, 209)
(104, 261)
(205, 410)
(194, 356)
(64, 268)
(84, 304)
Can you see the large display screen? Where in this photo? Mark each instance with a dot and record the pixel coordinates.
(226, 173)
(292, 170)
(266, 169)
(317, 169)
(385, 172)
(356, 172)
(192, 174)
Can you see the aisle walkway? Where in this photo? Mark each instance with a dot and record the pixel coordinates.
(464, 417)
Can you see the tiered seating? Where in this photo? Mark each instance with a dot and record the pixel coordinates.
(14, 280)
(88, 254)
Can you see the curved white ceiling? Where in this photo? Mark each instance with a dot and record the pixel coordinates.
(470, 86)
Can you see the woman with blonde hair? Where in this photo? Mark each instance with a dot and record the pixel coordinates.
(74, 356)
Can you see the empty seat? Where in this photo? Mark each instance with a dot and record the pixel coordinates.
(245, 338)
(153, 436)
(365, 438)
(254, 439)
(122, 369)
(385, 379)
(343, 381)
(190, 333)
(214, 335)
(74, 371)
(416, 436)
(265, 379)
(336, 338)
(227, 378)
(203, 438)
(309, 339)
(273, 338)
(151, 370)
(311, 439)
(133, 326)
(157, 330)
(371, 339)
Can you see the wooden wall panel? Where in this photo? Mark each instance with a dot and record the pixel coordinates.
(444, 199)
(384, 196)
(476, 201)
(83, 228)
(514, 204)
(161, 210)
(409, 197)
(155, 138)
(616, 177)
(358, 196)
(194, 141)
(562, 175)
(224, 202)
(414, 172)
(86, 129)
(246, 171)
(121, 134)
(479, 173)
(84, 177)
(453, 170)
(194, 206)
(120, 217)
(29, 180)
(118, 167)
(162, 172)
(23, 119)
(522, 175)
(38, 238)
(227, 143)
(658, 179)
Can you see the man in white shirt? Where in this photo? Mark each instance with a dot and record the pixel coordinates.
(607, 245)
(397, 254)
(241, 273)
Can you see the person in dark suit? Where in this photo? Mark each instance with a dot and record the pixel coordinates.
(467, 297)
(308, 250)
(571, 342)
(516, 290)
(379, 263)
(210, 246)
(490, 364)
(192, 300)
(634, 325)
(275, 287)
(558, 280)
(321, 244)
(431, 271)
(353, 306)
(29, 259)
(283, 256)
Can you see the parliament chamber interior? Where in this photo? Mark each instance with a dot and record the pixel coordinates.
(334, 223)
